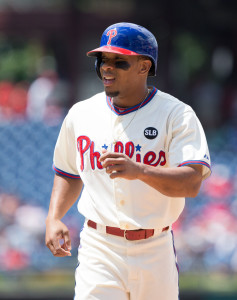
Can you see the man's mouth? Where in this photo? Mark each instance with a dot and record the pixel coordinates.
(108, 80)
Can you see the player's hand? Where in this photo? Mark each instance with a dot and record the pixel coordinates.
(57, 231)
(120, 165)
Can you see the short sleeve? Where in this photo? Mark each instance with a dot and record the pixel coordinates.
(65, 152)
(188, 144)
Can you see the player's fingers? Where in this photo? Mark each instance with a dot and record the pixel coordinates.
(67, 240)
(114, 168)
(65, 251)
(55, 241)
(117, 174)
(59, 251)
(108, 154)
(113, 161)
(62, 253)
(50, 246)
(52, 249)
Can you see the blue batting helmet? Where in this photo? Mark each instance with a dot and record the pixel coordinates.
(127, 39)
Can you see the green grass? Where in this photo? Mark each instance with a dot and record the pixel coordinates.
(213, 282)
(62, 283)
(58, 282)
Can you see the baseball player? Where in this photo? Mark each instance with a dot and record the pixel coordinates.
(138, 152)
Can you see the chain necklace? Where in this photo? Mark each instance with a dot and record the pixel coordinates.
(115, 140)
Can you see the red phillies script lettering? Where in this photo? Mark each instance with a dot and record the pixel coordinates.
(111, 33)
(118, 147)
(129, 149)
(150, 157)
(84, 144)
(93, 156)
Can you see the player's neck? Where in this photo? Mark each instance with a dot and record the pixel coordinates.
(125, 101)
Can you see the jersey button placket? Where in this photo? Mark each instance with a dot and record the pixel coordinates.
(119, 196)
(118, 128)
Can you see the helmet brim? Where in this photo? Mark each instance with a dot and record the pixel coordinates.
(111, 49)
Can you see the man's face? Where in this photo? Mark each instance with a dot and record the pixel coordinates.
(120, 73)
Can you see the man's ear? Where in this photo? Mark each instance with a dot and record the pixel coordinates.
(145, 66)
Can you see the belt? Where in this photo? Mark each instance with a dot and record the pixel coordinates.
(131, 235)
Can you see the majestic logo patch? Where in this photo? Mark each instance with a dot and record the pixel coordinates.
(150, 133)
(111, 34)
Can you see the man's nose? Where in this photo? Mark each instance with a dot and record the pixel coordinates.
(106, 65)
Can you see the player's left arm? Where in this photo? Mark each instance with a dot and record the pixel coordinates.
(173, 182)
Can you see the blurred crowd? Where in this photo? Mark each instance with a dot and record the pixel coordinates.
(44, 99)
(22, 229)
(25, 183)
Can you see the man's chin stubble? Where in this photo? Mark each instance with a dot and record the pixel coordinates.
(112, 94)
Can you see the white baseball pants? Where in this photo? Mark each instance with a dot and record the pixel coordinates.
(113, 268)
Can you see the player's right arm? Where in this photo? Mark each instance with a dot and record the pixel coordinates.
(65, 192)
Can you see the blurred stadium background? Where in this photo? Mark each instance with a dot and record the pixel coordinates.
(44, 71)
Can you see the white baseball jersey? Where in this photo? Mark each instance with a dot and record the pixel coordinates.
(163, 132)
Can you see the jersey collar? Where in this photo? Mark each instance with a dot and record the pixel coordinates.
(126, 111)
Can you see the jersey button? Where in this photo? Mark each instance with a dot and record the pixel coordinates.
(122, 202)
